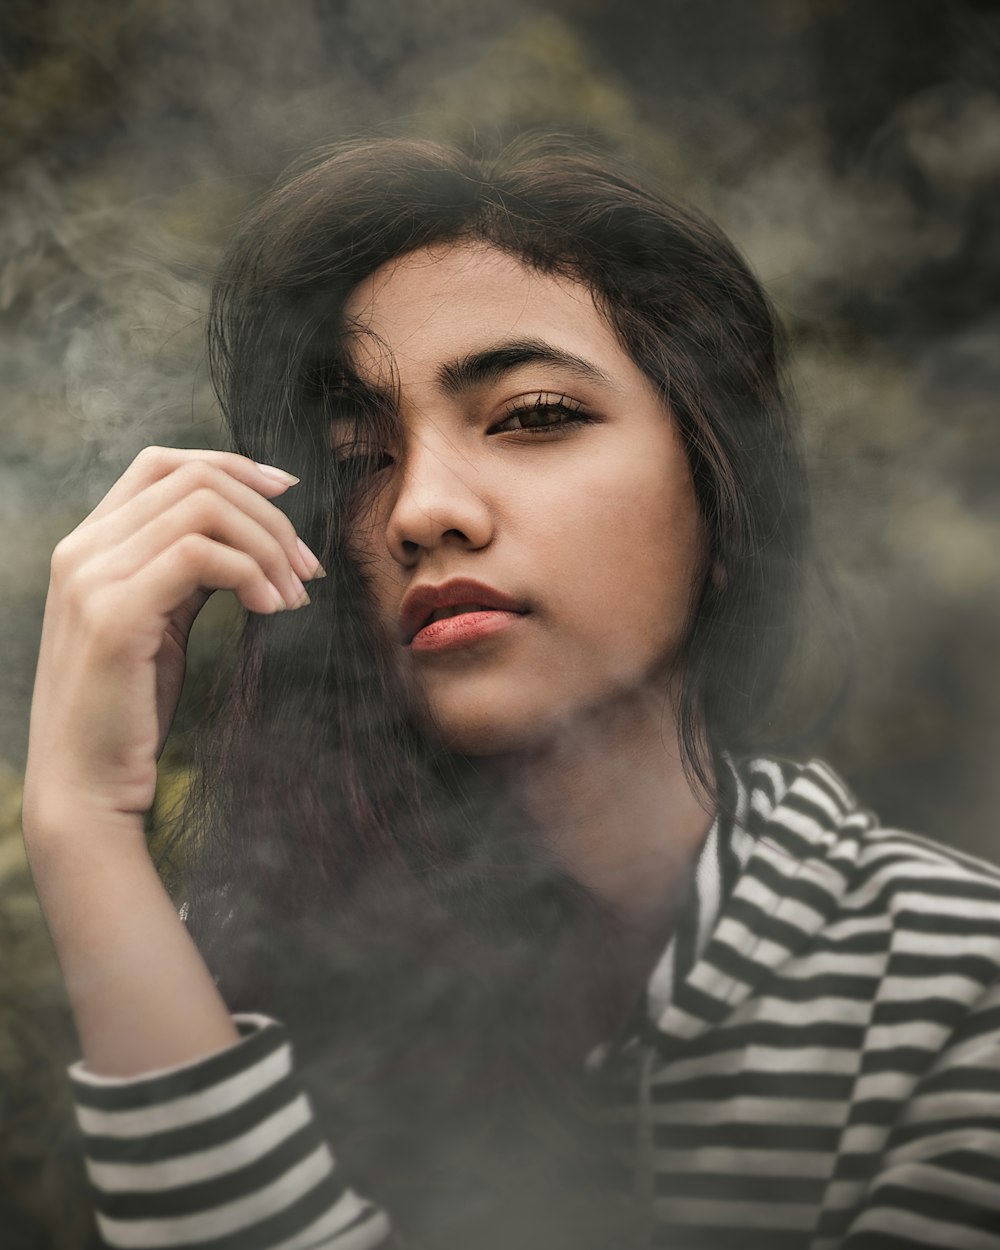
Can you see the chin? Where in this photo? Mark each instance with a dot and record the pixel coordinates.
(477, 736)
(482, 726)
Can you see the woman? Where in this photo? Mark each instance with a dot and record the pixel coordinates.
(564, 961)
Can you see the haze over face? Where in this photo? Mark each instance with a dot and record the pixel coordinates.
(852, 150)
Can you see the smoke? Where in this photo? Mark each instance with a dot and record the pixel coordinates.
(853, 154)
(852, 150)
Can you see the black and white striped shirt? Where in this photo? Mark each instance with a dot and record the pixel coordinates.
(816, 1064)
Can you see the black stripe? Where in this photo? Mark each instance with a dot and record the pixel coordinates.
(938, 924)
(763, 925)
(906, 1134)
(746, 1135)
(152, 1091)
(685, 937)
(943, 1011)
(875, 1112)
(805, 806)
(748, 1084)
(699, 1004)
(740, 1187)
(729, 1135)
(970, 1163)
(973, 967)
(943, 1207)
(868, 942)
(793, 1036)
(792, 887)
(819, 778)
(965, 1079)
(283, 1224)
(201, 1196)
(675, 1236)
(206, 1134)
(961, 889)
(913, 1060)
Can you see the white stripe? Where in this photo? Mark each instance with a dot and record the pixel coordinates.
(917, 989)
(749, 1110)
(864, 1139)
(827, 1008)
(892, 1084)
(911, 841)
(799, 823)
(818, 1060)
(984, 1141)
(229, 1217)
(811, 1164)
(809, 790)
(921, 1034)
(191, 1108)
(709, 885)
(923, 1231)
(660, 989)
(203, 1165)
(843, 928)
(773, 772)
(913, 942)
(837, 963)
(835, 784)
(951, 1105)
(326, 1231)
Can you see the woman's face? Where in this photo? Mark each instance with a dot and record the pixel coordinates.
(538, 463)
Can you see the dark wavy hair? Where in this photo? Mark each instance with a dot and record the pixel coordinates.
(340, 871)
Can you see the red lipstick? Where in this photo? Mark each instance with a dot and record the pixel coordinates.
(455, 614)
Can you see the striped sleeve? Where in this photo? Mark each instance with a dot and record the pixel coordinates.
(938, 1183)
(222, 1154)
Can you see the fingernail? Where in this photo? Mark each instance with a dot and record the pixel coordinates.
(277, 475)
(310, 560)
(300, 598)
(277, 597)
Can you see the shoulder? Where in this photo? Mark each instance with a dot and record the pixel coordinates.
(811, 811)
(880, 876)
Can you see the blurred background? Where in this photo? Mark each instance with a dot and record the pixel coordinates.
(851, 149)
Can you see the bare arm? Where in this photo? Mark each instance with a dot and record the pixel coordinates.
(126, 587)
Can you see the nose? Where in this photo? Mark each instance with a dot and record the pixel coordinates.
(440, 503)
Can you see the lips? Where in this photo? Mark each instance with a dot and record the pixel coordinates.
(425, 604)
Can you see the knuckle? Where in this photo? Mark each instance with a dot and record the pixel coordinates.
(203, 504)
(154, 456)
(63, 558)
(190, 548)
(195, 474)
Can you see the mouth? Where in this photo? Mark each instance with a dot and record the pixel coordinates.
(426, 606)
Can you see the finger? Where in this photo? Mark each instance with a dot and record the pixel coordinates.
(207, 513)
(154, 463)
(192, 479)
(139, 607)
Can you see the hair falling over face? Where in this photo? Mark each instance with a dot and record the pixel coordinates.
(379, 894)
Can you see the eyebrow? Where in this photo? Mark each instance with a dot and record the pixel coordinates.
(491, 364)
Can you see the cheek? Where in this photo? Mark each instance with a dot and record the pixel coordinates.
(626, 561)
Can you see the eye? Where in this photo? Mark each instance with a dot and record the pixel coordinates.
(542, 414)
(361, 462)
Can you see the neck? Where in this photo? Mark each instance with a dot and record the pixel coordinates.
(614, 805)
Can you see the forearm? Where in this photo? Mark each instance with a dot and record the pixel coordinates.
(141, 995)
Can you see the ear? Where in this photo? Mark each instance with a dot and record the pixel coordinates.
(720, 578)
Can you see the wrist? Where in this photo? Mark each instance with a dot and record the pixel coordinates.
(60, 835)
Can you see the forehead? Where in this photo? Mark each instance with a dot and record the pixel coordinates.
(442, 303)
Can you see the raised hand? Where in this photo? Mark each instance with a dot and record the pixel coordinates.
(126, 587)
